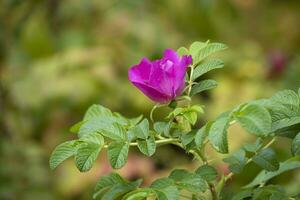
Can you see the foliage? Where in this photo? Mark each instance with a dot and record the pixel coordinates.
(266, 119)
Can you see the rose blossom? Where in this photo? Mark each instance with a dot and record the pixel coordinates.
(161, 80)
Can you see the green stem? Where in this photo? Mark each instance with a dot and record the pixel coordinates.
(152, 111)
(158, 142)
(190, 81)
(222, 182)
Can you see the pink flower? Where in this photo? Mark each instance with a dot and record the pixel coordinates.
(161, 80)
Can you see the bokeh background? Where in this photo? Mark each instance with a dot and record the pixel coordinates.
(57, 57)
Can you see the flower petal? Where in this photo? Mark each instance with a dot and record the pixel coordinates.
(171, 55)
(141, 71)
(152, 93)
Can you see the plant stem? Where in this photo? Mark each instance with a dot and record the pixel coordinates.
(190, 81)
(229, 176)
(158, 142)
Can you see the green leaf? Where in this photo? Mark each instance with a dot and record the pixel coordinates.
(165, 189)
(218, 133)
(191, 117)
(255, 119)
(76, 127)
(162, 128)
(203, 50)
(188, 138)
(265, 176)
(295, 148)
(202, 134)
(188, 181)
(162, 182)
(95, 138)
(237, 161)
(266, 159)
(289, 98)
(119, 190)
(86, 155)
(61, 153)
(141, 130)
(207, 172)
(253, 147)
(147, 146)
(182, 51)
(100, 124)
(167, 193)
(116, 132)
(278, 125)
(136, 120)
(95, 111)
(203, 86)
(107, 181)
(243, 194)
(195, 48)
(206, 67)
(272, 192)
(139, 194)
(118, 153)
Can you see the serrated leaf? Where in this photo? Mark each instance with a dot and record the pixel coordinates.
(108, 181)
(99, 124)
(284, 123)
(272, 192)
(182, 51)
(97, 111)
(236, 161)
(141, 130)
(162, 128)
(76, 127)
(95, 138)
(295, 148)
(162, 183)
(191, 117)
(195, 48)
(243, 194)
(255, 119)
(136, 120)
(167, 193)
(61, 153)
(253, 147)
(266, 159)
(116, 132)
(218, 133)
(139, 194)
(147, 146)
(206, 67)
(207, 172)
(86, 155)
(187, 138)
(265, 176)
(202, 134)
(288, 98)
(118, 153)
(178, 174)
(188, 181)
(118, 190)
(203, 86)
(207, 50)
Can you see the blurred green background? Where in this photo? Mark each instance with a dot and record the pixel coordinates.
(57, 57)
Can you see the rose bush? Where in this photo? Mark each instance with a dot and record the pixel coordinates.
(163, 81)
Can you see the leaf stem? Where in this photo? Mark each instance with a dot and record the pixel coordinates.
(190, 81)
(158, 142)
